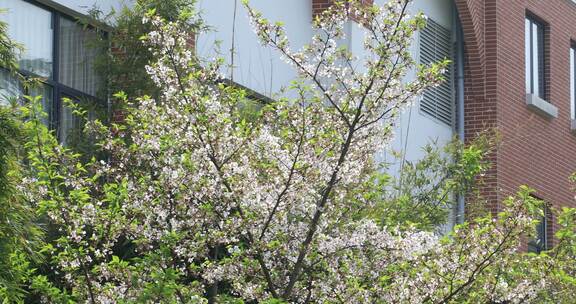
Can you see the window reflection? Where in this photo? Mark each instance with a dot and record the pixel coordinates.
(45, 92)
(10, 88)
(31, 26)
(77, 57)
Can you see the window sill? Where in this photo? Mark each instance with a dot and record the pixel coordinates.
(541, 106)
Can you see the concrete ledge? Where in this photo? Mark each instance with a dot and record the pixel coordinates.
(573, 126)
(541, 106)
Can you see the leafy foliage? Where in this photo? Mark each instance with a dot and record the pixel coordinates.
(201, 201)
(124, 64)
(20, 236)
(8, 49)
(424, 191)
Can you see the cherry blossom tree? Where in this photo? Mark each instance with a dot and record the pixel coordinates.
(199, 201)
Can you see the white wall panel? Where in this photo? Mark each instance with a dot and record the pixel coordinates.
(261, 69)
(255, 66)
(414, 128)
(84, 6)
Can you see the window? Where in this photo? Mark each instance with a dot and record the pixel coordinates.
(31, 26)
(540, 243)
(573, 82)
(76, 58)
(435, 46)
(10, 88)
(534, 57)
(57, 50)
(47, 94)
(71, 125)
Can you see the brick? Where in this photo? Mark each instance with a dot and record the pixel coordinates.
(534, 151)
(319, 6)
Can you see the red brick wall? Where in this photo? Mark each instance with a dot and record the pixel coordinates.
(538, 152)
(479, 103)
(318, 6)
(534, 151)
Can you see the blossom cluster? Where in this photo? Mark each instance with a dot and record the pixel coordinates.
(198, 199)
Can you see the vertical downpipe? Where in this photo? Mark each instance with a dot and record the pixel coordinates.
(459, 96)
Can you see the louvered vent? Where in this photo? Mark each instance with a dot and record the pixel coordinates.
(436, 45)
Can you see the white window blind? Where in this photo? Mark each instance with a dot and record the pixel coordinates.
(436, 45)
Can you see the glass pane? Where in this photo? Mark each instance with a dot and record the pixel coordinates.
(30, 26)
(535, 60)
(10, 88)
(77, 57)
(528, 56)
(539, 243)
(541, 67)
(71, 126)
(45, 92)
(572, 83)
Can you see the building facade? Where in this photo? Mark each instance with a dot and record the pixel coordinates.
(520, 79)
(431, 119)
(513, 69)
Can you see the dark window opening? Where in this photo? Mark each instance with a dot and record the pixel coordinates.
(540, 242)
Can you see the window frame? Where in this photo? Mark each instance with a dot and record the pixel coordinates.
(60, 90)
(541, 242)
(535, 64)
